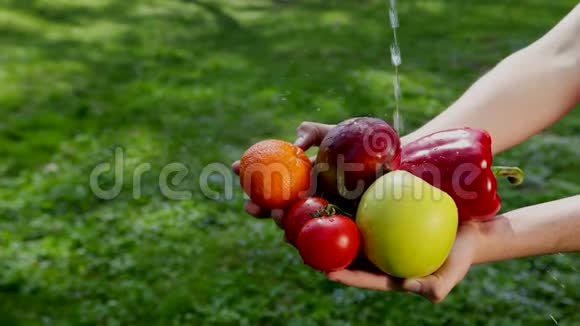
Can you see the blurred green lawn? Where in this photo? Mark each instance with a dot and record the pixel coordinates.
(197, 82)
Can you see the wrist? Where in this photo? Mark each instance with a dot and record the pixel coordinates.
(471, 238)
(490, 243)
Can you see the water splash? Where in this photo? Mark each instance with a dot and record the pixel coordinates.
(555, 278)
(396, 62)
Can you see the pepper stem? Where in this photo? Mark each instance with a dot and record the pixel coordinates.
(514, 174)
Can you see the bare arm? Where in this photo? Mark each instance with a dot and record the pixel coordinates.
(525, 93)
(531, 231)
(541, 229)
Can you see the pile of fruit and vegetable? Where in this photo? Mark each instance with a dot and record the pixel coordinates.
(368, 198)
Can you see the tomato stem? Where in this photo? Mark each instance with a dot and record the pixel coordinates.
(333, 209)
(329, 210)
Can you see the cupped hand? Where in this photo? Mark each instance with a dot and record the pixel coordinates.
(308, 134)
(434, 287)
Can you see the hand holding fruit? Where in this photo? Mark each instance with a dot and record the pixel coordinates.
(406, 224)
(434, 287)
(309, 134)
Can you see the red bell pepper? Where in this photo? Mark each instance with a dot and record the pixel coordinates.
(459, 162)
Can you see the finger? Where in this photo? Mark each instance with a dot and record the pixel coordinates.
(436, 287)
(309, 134)
(278, 217)
(236, 167)
(364, 280)
(431, 287)
(305, 140)
(255, 210)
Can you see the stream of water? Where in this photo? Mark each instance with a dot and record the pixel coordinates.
(396, 62)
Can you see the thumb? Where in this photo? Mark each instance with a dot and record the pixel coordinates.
(436, 287)
(309, 134)
(305, 138)
(431, 287)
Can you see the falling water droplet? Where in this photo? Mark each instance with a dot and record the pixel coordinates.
(397, 120)
(393, 17)
(395, 55)
(555, 278)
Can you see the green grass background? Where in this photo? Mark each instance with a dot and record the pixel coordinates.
(197, 82)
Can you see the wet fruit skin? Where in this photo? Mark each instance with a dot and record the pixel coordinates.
(408, 226)
(298, 214)
(329, 243)
(352, 156)
(275, 173)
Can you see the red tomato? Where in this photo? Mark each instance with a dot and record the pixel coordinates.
(329, 243)
(300, 213)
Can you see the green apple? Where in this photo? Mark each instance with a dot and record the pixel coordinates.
(408, 226)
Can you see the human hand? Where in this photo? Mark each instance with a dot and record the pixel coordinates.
(308, 134)
(434, 287)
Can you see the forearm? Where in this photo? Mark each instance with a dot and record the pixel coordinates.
(541, 229)
(523, 94)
